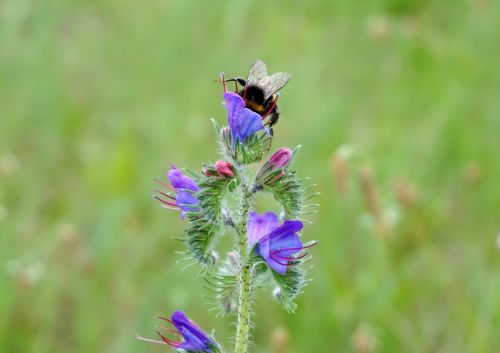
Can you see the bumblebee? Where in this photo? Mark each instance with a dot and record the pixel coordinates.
(260, 91)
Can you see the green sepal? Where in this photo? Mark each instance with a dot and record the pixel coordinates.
(243, 152)
(216, 347)
(290, 285)
(252, 149)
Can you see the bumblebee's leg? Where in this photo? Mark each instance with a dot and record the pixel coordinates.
(273, 118)
(237, 80)
(272, 107)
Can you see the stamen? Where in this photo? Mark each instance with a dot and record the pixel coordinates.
(297, 249)
(166, 195)
(165, 319)
(149, 340)
(164, 184)
(291, 258)
(170, 208)
(169, 341)
(281, 263)
(165, 202)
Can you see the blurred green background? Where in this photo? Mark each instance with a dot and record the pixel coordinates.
(396, 104)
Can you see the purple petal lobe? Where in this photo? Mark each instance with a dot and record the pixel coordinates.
(288, 227)
(194, 338)
(181, 181)
(280, 244)
(186, 201)
(280, 252)
(260, 225)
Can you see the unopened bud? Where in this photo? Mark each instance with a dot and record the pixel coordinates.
(281, 158)
(224, 169)
(273, 169)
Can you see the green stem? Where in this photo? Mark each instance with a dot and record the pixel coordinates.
(245, 278)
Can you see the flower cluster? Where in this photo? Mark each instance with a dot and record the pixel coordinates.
(219, 200)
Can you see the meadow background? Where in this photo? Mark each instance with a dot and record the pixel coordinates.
(396, 104)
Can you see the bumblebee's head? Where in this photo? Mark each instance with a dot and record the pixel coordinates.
(254, 94)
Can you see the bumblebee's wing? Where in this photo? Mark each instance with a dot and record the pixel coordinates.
(258, 71)
(272, 84)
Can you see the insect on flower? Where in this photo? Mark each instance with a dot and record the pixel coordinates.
(193, 339)
(260, 91)
(181, 192)
(242, 121)
(277, 244)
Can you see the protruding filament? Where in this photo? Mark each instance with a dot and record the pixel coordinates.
(164, 184)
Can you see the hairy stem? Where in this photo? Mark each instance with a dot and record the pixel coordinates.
(245, 278)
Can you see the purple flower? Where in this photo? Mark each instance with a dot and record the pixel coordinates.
(183, 188)
(193, 338)
(276, 243)
(242, 121)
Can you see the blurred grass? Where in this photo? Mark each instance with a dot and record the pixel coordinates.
(98, 97)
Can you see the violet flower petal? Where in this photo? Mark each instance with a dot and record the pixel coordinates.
(181, 181)
(186, 201)
(260, 225)
(281, 251)
(194, 337)
(281, 243)
(242, 121)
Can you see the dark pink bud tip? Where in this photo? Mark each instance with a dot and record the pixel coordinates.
(224, 169)
(281, 158)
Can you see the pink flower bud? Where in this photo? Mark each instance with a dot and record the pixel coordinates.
(280, 158)
(224, 169)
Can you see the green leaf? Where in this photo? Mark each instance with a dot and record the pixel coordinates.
(223, 286)
(288, 191)
(210, 195)
(201, 239)
(290, 285)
